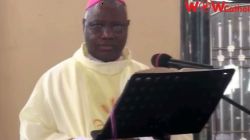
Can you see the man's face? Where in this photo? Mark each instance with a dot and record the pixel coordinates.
(105, 30)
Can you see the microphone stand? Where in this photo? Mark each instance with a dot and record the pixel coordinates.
(240, 107)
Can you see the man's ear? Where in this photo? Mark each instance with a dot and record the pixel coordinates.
(83, 23)
(128, 22)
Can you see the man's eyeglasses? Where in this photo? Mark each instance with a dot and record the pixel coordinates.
(98, 27)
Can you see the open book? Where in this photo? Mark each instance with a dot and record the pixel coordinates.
(170, 70)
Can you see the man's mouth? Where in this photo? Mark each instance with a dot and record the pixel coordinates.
(106, 47)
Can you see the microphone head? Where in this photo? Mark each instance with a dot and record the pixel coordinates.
(160, 60)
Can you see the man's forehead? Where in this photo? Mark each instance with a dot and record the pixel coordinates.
(92, 3)
(108, 7)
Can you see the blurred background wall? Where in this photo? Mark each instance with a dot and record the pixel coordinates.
(35, 35)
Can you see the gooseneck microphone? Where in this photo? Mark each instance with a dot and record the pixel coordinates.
(165, 60)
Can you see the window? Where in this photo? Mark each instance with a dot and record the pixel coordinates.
(223, 40)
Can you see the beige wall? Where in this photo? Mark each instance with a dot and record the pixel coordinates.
(35, 35)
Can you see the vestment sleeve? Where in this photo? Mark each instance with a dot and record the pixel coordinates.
(36, 118)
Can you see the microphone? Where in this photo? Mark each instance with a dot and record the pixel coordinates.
(165, 60)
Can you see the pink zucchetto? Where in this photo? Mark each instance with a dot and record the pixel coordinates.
(91, 3)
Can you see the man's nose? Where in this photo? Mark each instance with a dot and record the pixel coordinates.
(107, 33)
